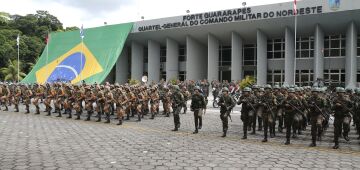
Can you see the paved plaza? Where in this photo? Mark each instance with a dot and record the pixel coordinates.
(41, 142)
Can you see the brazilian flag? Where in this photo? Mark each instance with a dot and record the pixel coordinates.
(69, 58)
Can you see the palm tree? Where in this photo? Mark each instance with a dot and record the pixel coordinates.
(247, 82)
(10, 73)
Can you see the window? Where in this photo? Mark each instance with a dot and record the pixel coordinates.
(304, 77)
(224, 56)
(163, 75)
(249, 55)
(146, 55)
(182, 75)
(276, 48)
(162, 54)
(305, 47)
(249, 73)
(334, 46)
(275, 76)
(182, 53)
(334, 77)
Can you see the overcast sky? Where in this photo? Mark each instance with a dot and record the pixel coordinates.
(92, 13)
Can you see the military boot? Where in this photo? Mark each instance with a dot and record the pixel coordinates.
(107, 118)
(120, 122)
(16, 108)
(88, 116)
(99, 117)
(69, 112)
(77, 116)
(196, 131)
(313, 143)
(49, 111)
(224, 134)
(336, 146)
(59, 115)
(287, 141)
(152, 116)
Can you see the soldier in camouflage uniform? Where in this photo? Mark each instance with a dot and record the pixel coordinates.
(268, 101)
(187, 96)
(316, 104)
(291, 106)
(197, 105)
(90, 98)
(247, 101)
(5, 96)
(16, 99)
(100, 101)
(342, 108)
(226, 103)
(27, 98)
(109, 100)
(121, 105)
(177, 99)
(154, 102)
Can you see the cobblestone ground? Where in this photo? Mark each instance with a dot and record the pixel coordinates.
(41, 142)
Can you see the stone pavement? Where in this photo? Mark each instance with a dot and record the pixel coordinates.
(41, 142)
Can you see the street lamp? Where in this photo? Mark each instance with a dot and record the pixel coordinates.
(187, 11)
(142, 17)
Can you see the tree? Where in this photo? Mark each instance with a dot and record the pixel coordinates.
(247, 82)
(72, 28)
(10, 73)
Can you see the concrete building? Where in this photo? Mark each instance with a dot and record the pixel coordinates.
(257, 41)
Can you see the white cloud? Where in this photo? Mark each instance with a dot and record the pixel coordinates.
(94, 13)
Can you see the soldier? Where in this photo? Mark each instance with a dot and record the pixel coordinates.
(109, 99)
(226, 103)
(279, 109)
(342, 108)
(17, 96)
(69, 100)
(50, 95)
(316, 104)
(90, 98)
(197, 105)
(356, 110)
(154, 102)
(167, 102)
(247, 101)
(100, 101)
(291, 106)
(5, 96)
(121, 103)
(79, 97)
(268, 101)
(59, 99)
(27, 98)
(186, 95)
(39, 92)
(177, 99)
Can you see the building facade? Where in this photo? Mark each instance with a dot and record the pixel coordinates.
(260, 41)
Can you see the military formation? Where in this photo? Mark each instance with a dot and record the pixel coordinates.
(295, 108)
(269, 109)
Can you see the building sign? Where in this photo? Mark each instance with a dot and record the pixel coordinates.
(226, 16)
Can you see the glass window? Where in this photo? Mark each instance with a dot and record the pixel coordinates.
(334, 46)
(276, 48)
(249, 55)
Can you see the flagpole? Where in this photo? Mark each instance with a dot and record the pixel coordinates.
(81, 56)
(18, 58)
(295, 9)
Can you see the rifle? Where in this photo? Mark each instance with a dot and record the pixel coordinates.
(227, 110)
(325, 115)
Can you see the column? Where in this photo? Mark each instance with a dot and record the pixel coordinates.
(213, 58)
(196, 63)
(122, 67)
(261, 68)
(318, 53)
(137, 61)
(153, 61)
(289, 57)
(351, 53)
(236, 57)
(172, 59)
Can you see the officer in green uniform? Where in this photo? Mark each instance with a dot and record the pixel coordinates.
(247, 101)
(197, 105)
(226, 103)
(291, 105)
(316, 104)
(342, 107)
